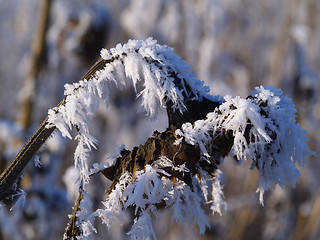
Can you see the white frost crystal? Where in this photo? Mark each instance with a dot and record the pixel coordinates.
(263, 128)
(276, 142)
(137, 61)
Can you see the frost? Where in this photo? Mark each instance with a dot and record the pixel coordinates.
(150, 188)
(36, 160)
(237, 118)
(217, 202)
(261, 127)
(21, 200)
(85, 143)
(110, 161)
(142, 227)
(278, 163)
(155, 66)
(264, 128)
(85, 218)
(113, 206)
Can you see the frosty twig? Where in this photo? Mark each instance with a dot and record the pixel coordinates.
(14, 170)
(10, 175)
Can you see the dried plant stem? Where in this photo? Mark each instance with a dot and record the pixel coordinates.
(282, 45)
(38, 54)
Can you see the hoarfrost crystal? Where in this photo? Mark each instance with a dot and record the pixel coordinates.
(137, 61)
(262, 127)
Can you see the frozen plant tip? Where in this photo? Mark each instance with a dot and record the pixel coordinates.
(263, 128)
(176, 169)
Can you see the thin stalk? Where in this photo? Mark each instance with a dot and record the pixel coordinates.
(38, 55)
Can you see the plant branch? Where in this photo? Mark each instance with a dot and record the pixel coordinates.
(72, 230)
(10, 175)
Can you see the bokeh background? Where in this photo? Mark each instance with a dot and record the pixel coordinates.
(232, 45)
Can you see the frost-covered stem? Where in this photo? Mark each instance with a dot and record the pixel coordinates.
(14, 170)
(183, 154)
(72, 230)
(10, 175)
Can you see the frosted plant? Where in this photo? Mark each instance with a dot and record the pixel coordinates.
(138, 61)
(149, 189)
(261, 127)
(84, 217)
(177, 169)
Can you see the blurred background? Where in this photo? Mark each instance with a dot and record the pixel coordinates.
(232, 45)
